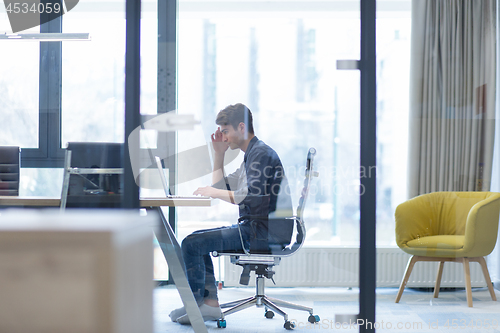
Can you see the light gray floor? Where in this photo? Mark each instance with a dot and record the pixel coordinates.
(417, 311)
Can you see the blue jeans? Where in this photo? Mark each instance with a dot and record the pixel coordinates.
(196, 249)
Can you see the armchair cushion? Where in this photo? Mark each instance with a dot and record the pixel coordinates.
(438, 242)
(436, 246)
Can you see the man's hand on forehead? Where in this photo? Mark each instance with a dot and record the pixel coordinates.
(217, 142)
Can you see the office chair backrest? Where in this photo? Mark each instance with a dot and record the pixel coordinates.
(309, 173)
(9, 170)
(95, 190)
(300, 229)
(96, 154)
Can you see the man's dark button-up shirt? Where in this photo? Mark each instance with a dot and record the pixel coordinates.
(260, 185)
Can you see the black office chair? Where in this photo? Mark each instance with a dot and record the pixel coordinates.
(9, 170)
(92, 175)
(262, 261)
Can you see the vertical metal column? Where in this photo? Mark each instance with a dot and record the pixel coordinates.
(130, 198)
(167, 87)
(367, 264)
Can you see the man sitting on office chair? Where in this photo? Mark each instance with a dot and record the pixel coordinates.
(260, 189)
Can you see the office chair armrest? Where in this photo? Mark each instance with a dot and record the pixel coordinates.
(245, 218)
(243, 246)
(254, 217)
(299, 238)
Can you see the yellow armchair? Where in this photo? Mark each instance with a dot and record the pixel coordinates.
(448, 226)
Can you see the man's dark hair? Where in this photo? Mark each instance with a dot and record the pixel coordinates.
(234, 115)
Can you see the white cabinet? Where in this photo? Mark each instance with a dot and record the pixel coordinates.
(81, 271)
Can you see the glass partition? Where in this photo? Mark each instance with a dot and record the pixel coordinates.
(280, 59)
(430, 100)
(282, 65)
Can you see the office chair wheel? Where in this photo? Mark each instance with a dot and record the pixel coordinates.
(269, 314)
(313, 319)
(289, 325)
(221, 323)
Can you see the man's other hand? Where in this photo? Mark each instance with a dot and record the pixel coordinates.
(206, 191)
(212, 192)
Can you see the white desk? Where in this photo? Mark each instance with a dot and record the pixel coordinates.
(16, 201)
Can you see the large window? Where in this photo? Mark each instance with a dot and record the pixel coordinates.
(282, 64)
(93, 76)
(94, 72)
(92, 81)
(19, 64)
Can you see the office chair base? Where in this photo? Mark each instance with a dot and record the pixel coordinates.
(259, 300)
(263, 300)
(269, 303)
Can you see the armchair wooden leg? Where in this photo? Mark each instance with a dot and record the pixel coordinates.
(486, 274)
(468, 288)
(409, 267)
(438, 279)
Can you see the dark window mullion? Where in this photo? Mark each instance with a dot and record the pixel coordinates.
(49, 152)
(54, 111)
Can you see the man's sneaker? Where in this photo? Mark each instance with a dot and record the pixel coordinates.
(175, 314)
(208, 313)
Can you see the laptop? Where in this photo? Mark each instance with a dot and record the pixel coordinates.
(163, 179)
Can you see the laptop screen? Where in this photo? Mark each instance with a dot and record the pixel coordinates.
(162, 175)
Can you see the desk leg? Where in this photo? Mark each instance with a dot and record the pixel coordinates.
(172, 252)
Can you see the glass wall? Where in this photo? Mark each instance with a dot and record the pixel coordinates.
(279, 58)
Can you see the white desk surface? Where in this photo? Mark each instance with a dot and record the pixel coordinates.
(144, 202)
